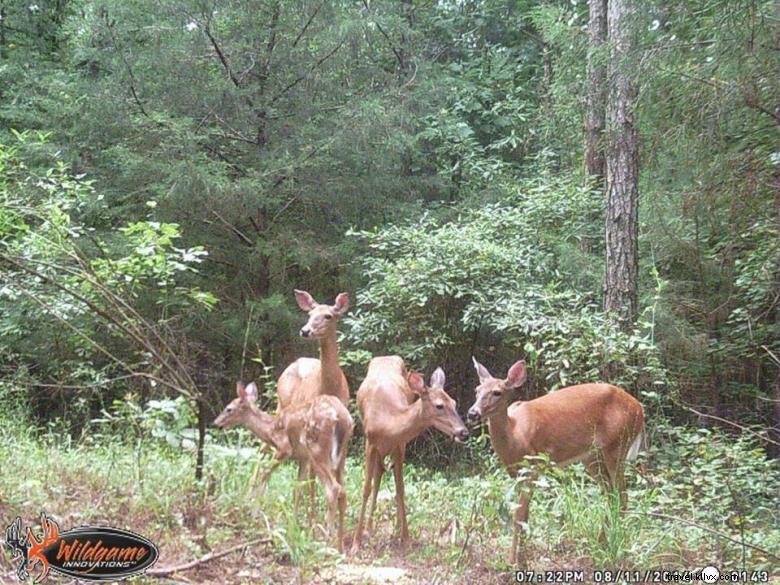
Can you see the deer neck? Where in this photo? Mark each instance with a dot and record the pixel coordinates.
(263, 425)
(330, 371)
(500, 428)
(410, 422)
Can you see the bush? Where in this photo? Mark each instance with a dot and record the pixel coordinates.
(510, 279)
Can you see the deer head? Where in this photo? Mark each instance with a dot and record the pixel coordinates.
(493, 394)
(242, 411)
(437, 405)
(322, 318)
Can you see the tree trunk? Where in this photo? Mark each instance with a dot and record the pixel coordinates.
(404, 51)
(596, 98)
(2, 30)
(620, 286)
(774, 432)
(201, 438)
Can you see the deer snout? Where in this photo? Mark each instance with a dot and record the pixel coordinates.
(462, 435)
(305, 332)
(474, 414)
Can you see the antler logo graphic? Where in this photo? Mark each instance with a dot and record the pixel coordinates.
(91, 553)
(28, 549)
(18, 546)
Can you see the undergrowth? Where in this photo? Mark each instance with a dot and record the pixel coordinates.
(701, 498)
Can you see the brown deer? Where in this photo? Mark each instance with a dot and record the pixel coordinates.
(306, 378)
(316, 434)
(395, 408)
(598, 424)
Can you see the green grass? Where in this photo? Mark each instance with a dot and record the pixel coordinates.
(459, 519)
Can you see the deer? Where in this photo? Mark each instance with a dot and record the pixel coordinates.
(598, 424)
(396, 407)
(316, 434)
(307, 378)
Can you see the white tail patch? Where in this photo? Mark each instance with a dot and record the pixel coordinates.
(334, 450)
(633, 452)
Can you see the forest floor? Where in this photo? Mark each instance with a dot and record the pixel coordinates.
(459, 521)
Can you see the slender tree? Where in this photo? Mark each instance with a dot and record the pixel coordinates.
(597, 91)
(620, 287)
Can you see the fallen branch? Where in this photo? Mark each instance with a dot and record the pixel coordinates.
(759, 436)
(166, 571)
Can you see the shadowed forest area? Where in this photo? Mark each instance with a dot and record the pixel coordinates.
(592, 187)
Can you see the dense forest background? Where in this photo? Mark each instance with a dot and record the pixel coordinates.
(200, 160)
(170, 172)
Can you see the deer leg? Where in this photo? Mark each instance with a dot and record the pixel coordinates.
(259, 480)
(615, 466)
(370, 457)
(342, 496)
(398, 472)
(379, 470)
(333, 492)
(305, 475)
(259, 490)
(520, 525)
(312, 489)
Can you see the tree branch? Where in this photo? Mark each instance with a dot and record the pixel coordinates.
(220, 54)
(166, 571)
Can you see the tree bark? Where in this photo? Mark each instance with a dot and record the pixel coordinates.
(404, 51)
(620, 286)
(2, 30)
(596, 99)
(199, 459)
(774, 432)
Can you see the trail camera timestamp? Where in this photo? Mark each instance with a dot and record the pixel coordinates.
(557, 576)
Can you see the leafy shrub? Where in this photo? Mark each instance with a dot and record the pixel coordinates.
(510, 279)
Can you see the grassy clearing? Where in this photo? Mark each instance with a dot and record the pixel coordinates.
(459, 520)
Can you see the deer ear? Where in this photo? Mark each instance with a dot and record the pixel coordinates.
(250, 392)
(481, 370)
(416, 383)
(438, 379)
(305, 301)
(516, 375)
(240, 389)
(341, 304)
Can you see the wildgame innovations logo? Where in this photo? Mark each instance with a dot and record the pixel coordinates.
(93, 553)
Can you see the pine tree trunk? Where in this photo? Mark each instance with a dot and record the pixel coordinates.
(596, 99)
(774, 432)
(620, 287)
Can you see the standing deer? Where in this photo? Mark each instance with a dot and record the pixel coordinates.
(598, 424)
(395, 408)
(306, 378)
(316, 434)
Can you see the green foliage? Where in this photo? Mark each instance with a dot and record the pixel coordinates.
(71, 297)
(729, 481)
(499, 278)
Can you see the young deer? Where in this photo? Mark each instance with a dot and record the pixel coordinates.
(315, 434)
(598, 424)
(391, 418)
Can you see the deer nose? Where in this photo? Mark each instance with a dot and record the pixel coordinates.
(463, 434)
(474, 415)
(305, 332)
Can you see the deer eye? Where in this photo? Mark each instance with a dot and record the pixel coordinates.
(329, 316)
(496, 393)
